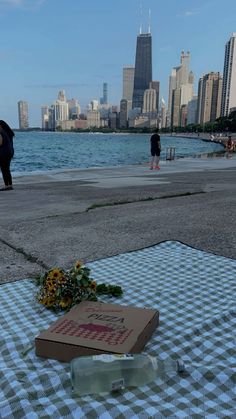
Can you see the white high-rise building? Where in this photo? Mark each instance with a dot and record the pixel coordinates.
(229, 77)
(184, 68)
(23, 114)
(149, 101)
(62, 95)
(61, 108)
(93, 118)
(94, 105)
(74, 108)
(181, 84)
(163, 114)
(45, 117)
(61, 111)
(172, 87)
(186, 93)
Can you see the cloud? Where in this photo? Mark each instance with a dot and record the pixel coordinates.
(56, 85)
(21, 4)
(10, 2)
(189, 13)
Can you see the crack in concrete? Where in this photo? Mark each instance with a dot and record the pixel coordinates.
(33, 259)
(27, 256)
(111, 204)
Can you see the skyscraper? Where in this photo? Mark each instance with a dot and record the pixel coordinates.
(62, 95)
(61, 109)
(180, 89)
(172, 87)
(150, 101)
(229, 77)
(192, 110)
(74, 108)
(128, 88)
(156, 85)
(128, 83)
(143, 68)
(163, 114)
(104, 98)
(209, 97)
(123, 113)
(23, 114)
(45, 117)
(184, 66)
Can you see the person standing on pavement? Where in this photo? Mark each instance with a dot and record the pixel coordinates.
(155, 150)
(6, 154)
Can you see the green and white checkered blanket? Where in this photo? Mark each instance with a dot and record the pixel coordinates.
(195, 293)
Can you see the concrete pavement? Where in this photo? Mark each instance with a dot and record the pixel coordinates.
(55, 218)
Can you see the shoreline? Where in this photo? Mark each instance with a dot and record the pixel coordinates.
(165, 163)
(23, 163)
(217, 139)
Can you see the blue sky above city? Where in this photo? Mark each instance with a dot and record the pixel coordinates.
(49, 45)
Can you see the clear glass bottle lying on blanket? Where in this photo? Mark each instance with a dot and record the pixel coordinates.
(106, 373)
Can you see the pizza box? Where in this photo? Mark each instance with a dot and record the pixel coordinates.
(92, 328)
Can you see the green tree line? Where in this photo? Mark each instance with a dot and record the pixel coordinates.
(222, 124)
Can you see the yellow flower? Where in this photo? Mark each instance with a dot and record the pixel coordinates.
(50, 302)
(78, 264)
(47, 300)
(51, 285)
(93, 285)
(49, 278)
(55, 274)
(62, 280)
(65, 302)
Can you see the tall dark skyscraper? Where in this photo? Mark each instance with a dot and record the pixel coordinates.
(143, 68)
(104, 99)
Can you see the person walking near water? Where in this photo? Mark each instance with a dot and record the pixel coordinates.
(6, 154)
(155, 150)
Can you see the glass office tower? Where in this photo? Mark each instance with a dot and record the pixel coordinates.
(143, 68)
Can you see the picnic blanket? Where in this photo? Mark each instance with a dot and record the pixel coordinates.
(195, 293)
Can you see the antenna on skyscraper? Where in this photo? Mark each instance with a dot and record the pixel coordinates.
(149, 21)
(141, 17)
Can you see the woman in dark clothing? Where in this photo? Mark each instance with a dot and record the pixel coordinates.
(6, 154)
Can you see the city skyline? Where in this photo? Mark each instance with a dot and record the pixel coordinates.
(85, 45)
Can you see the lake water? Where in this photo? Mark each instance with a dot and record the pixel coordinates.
(44, 151)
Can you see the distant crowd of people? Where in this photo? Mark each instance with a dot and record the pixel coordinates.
(230, 144)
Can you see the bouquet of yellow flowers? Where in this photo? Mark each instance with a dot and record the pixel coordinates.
(61, 289)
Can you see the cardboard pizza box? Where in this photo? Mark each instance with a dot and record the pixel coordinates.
(94, 328)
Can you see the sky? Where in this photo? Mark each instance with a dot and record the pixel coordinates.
(77, 45)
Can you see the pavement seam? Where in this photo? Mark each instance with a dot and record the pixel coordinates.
(27, 256)
(111, 204)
